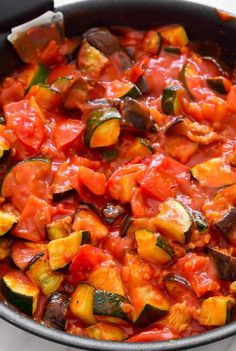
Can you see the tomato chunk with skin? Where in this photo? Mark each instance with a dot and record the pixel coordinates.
(23, 252)
(67, 132)
(23, 118)
(33, 220)
(94, 181)
(155, 334)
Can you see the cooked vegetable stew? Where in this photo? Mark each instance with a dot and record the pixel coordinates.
(118, 186)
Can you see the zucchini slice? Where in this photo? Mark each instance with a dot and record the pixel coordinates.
(7, 221)
(107, 278)
(135, 115)
(171, 100)
(225, 264)
(90, 60)
(214, 173)
(4, 248)
(199, 220)
(62, 84)
(38, 74)
(46, 97)
(40, 273)
(106, 331)
(174, 221)
(62, 251)
(60, 228)
(20, 292)
(102, 128)
(175, 35)
(4, 149)
(217, 311)
(153, 247)
(152, 42)
(131, 90)
(149, 305)
(138, 147)
(188, 75)
(56, 311)
(219, 84)
(81, 303)
(108, 304)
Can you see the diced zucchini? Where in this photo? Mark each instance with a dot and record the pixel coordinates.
(132, 91)
(4, 149)
(171, 100)
(46, 97)
(139, 147)
(217, 311)
(112, 211)
(175, 35)
(108, 155)
(180, 148)
(62, 251)
(40, 273)
(102, 128)
(62, 84)
(90, 60)
(56, 310)
(86, 220)
(219, 84)
(81, 303)
(7, 221)
(153, 247)
(174, 221)
(188, 77)
(152, 42)
(59, 228)
(172, 50)
(149, 305)
(199, 220)
(170, 126)
(38, 74)
(20, 292)
(136, 115)
(105, 331)
(107, 278)
(4, 248)
(214, 173)
(226, 224)
(225, 264)
(108, 304)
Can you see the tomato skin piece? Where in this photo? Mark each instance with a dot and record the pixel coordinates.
(30, 177)
(35, 216)
(66, 132)
(11, 91)
(62, 71)
(26, 123)
(155, 334)
(94, 181)
(87, 258)
(23, 252)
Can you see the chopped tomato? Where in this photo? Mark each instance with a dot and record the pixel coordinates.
(94, 181)
(155, 334)
(23, 252)
(67, 132)
(12, 90)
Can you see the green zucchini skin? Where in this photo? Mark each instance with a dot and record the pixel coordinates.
(108, 154)
(163, 244)
(135, 115)
(172, 50)
(86, 237)
(170, 100)
(149, 315)
(96, 119)
(40, 76)
(133, 93)
(199, 220)
(108, 304)
(217, 84)
(225, 264)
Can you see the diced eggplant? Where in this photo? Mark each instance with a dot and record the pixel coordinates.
(40, 273)
(219, 84)
(125, 224)
(217, 311)
(56, 311)
(227, 222)
(103, 40)
(171, 100)
(149, 305)
(176, 285)
(153, 247)
(214, 173)
(142, 84)
(62, 192)
(112, 211)
(135, 115)
(225, 264)
(20, 292)
(174, 221)
(108, 304)
(102, 128)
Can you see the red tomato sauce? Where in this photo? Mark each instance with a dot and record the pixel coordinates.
(118, 196)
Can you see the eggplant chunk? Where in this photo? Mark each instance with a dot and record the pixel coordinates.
(227, 222)
(56, 311)
(103, 40)
(112, 211)
(225, 264)
(135, 114)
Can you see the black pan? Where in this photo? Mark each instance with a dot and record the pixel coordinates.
(201, 22)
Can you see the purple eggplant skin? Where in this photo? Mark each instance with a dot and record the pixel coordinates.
(225, 264)
(135, 115)
(177, 279)
(227, 222)
(112, 211)
(56, 311)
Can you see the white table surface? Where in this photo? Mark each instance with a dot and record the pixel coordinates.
(13, 339)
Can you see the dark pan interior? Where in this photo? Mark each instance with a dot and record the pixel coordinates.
(201, 22)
